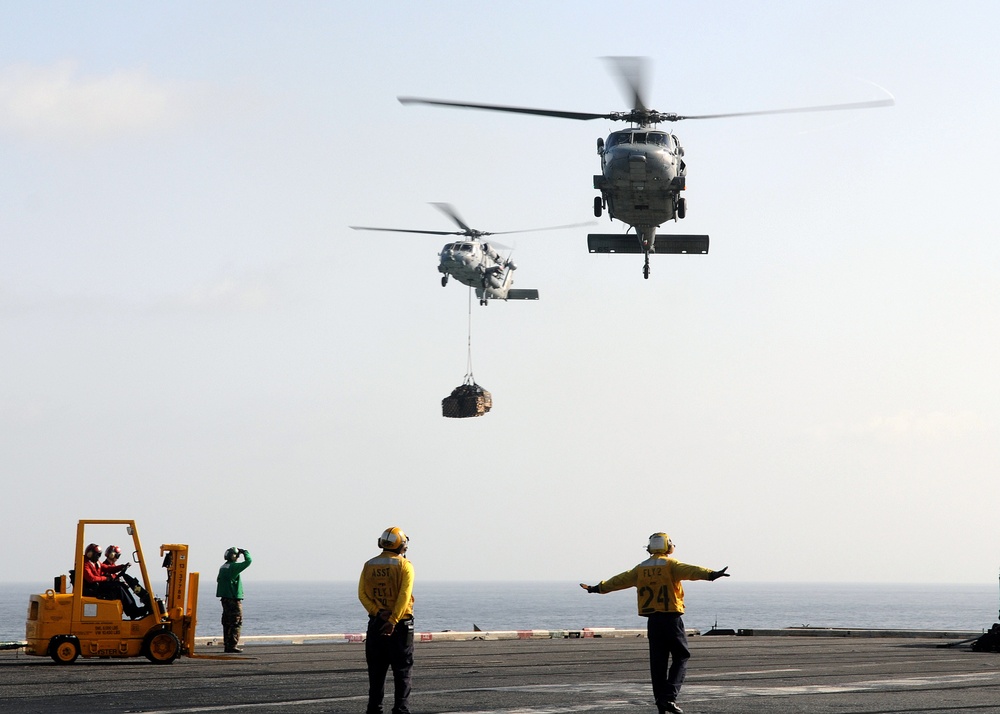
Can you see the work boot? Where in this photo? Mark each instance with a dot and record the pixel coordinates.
(671, 708)
(233, 650)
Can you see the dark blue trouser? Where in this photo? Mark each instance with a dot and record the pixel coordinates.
(383, 652)
(667, 640)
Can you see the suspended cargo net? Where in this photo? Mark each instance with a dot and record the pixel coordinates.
(467, 400)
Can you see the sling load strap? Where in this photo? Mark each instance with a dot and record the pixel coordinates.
(469, 378)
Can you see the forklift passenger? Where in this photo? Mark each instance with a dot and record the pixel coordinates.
(105, 586)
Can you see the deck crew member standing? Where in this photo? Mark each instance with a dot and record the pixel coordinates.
(230, 590)
(386, 591)
(661, 600)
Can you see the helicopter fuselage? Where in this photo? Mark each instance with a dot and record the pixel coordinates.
(478, 265)
(642, 175)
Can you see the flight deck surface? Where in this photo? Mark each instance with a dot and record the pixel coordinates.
(725, 674)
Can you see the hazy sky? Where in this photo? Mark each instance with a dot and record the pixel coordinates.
(191, 335)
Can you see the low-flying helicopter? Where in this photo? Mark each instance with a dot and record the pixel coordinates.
(475, 262)
(642, 167)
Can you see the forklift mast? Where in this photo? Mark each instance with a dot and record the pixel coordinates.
(182, 594)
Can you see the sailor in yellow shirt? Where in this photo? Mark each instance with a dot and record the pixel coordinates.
(657, 581)
(386, 591)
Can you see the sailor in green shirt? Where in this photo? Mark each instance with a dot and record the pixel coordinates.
(230, 590)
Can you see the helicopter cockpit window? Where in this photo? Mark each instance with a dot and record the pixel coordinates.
(617, 138)
(659, 139)
(465, 248)
(639, 138)
(450, 246)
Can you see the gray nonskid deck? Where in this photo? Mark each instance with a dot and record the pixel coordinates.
(528, 676)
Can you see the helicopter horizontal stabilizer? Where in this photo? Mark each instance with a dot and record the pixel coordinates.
(512, 294)
(619, 243)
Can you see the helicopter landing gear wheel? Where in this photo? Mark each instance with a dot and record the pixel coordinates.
(162, 647)
(64, 649)
(444, 281)
(645, 268)
(681, 208)
(598, 206)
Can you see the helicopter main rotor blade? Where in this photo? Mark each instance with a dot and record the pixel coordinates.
(794, 110)
(449, 210)
(549, 228)
(505, 108)
(632, 72)
(407, 230)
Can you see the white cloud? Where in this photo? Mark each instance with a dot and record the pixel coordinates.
(907, 424)
(230, 294)
(227, 294)
(58, 102)
(929, 424)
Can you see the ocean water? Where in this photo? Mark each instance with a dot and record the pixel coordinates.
(287, 608)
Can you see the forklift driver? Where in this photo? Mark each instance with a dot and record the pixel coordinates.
(110, 566)
(106, 586)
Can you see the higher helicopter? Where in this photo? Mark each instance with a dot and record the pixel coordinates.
(475, 262)
(642, 167)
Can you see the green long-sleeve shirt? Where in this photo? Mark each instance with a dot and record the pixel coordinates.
(229, 583)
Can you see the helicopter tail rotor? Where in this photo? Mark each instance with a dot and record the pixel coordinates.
(509, 267)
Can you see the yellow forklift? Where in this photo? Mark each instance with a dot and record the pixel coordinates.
(66, 625)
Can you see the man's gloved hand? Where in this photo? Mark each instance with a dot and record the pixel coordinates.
(242, 552)
(387, 627)
(591, 588)
(719, 574)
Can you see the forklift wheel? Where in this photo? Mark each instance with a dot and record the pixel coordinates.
(162, 647)
(64, 649)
